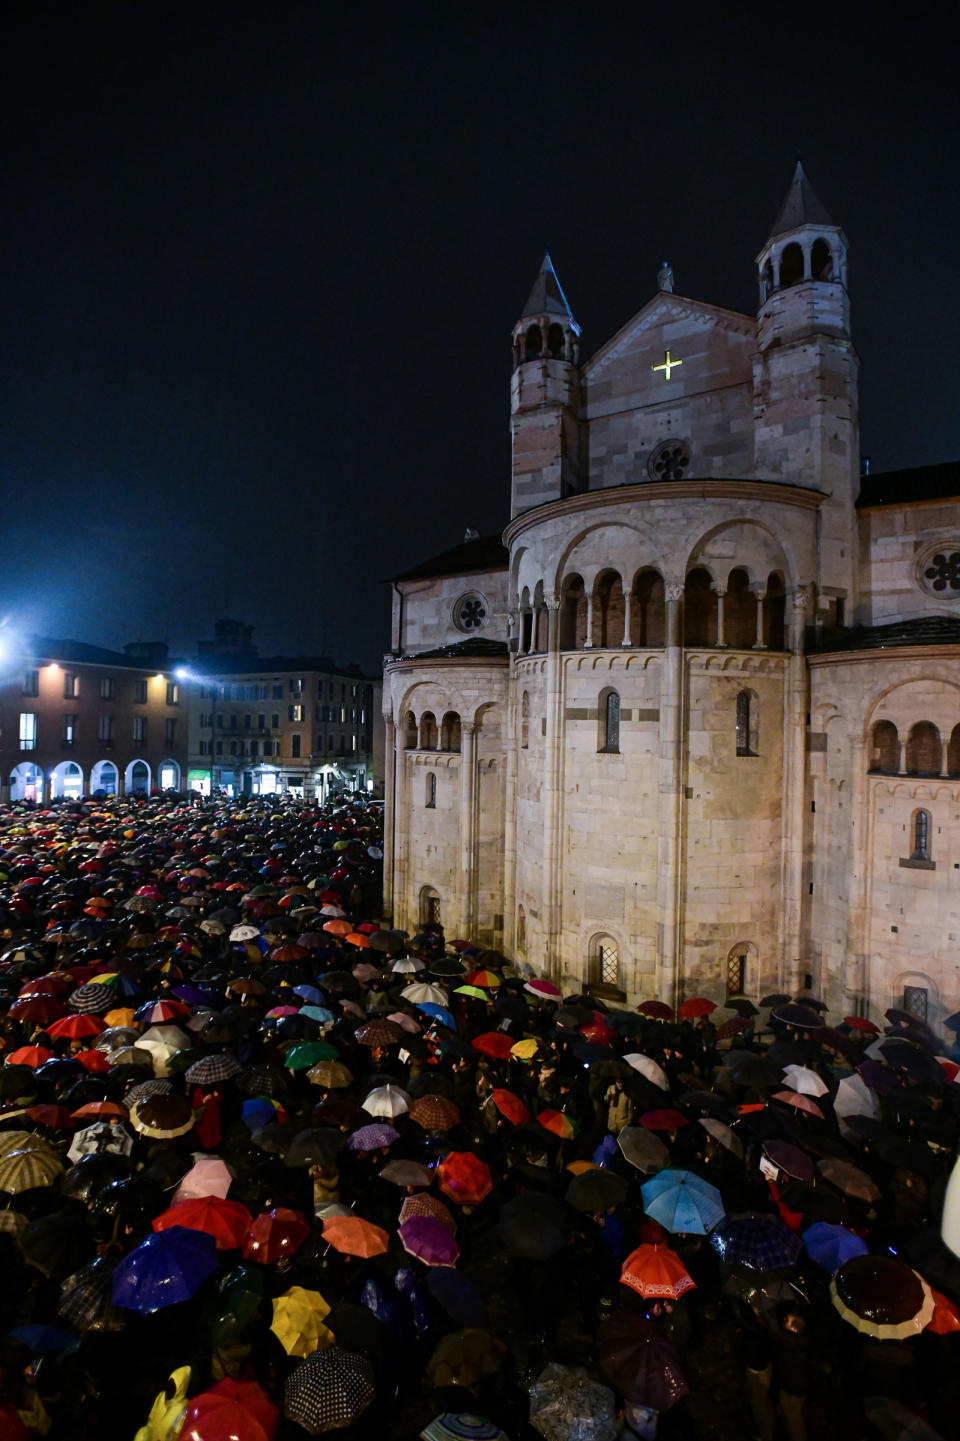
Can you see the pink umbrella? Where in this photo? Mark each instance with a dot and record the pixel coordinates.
(429, 1241)
(546, 990)
(208, 1177)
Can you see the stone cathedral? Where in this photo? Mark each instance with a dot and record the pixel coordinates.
(691, 725)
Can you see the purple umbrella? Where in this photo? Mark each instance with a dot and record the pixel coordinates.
(197, 995)
(641, 1364)
(429, 1241)
(371, 1138)
(878, 1077)
(790, 1159)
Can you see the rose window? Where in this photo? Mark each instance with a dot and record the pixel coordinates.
(470, 612)
(670, 461)
(943, 570)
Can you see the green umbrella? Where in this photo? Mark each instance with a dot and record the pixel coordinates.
(301, 1057)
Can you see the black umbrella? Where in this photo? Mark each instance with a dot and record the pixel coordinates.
(533, 1226)
(59, 1243)
(595, 1191)
(316, 1146)
(329, 1389)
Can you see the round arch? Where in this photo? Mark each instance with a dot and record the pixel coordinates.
(26, 782)
(773, 556)
(66, 780)
(617, 557)
(168, 775)
(104, 777)
(136, 778)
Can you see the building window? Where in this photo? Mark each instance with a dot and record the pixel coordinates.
(296, 687)
(261, 722)
(605, 963)
(277, 693)
(233, 722)
(140, 691)
(431, 801)
(275, 721)
(429, 907)
(747, 723)
(254, 748)
(609, 718)
(295, 712)
(233, 748)
(736, 972)
(69, 732)
(915, 999)
(295, 742)
(219, 748)
(203, 748)
(71, 686)
(173, 693)
(525, 720)
(107, 688)
(31, 682)
(105, 728)
(248, 722)
(921, 836)
(521, 930)
(170, 730)
(669, 461)
(343, 746)
(28, 730)
(139, 729)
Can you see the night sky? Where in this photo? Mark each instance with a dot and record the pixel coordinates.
(260, 264)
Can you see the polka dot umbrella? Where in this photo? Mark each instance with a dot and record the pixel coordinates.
(329, 1389)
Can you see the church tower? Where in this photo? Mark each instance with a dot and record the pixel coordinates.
(805, 382)
(545, 397)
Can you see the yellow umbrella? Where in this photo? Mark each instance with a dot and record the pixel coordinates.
(525, 1050)
(24, 1169)
(121, 1016)
(298, 1322)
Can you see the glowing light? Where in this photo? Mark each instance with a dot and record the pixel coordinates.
(53, 668)
(668, 364)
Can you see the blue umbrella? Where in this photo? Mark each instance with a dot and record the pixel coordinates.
(438, 1013)
(320, 1014)
(830, 1245)
(42, 1339)
(682, 1202)
(953, 1021)
(258, 1112)
(168, 1267)
(755, 1240)
(605, 1152)
(309, 993)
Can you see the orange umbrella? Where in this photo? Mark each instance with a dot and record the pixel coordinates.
(464, 1178)
(338, 928)
(357, 938)
(100, 1111)
(122, 1016)
(946, 1317)
(656, 1271)
(353, 1236)
(799, 1102)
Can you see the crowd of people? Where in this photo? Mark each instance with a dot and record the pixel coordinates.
(269, 1169)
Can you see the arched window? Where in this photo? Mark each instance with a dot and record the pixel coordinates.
(699, 609)
(428, 731)
(409, 731)
(748, 715)
(921, 836)
(525, 720)
(885, 748)
(431, 797)
(924, 751)
(821, 261)
(429, 909)
(608, 610)
(521, 930)
(573, 614)
(450, 732)
(774, 607)
(534, 343)
(555, 341)
(737, 976)
(739, 612)
(647, 610)
(608, 715)
(953, 752)
(791, 266)
(766, 282)
(605, 965)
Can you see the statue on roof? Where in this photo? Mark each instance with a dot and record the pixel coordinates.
(665, 278)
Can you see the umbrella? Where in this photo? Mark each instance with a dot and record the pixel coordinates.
(332, 1075)
(533, 1225)
(643, 1149)
(946, 1317)
(656, 1271)
(85, 1299)
(378, 1034)
(208, 1176)
(881, 1296)
(802, 1079)
(897, 1422)
(755, 1240)
(462, 1426)
(458, 1296)
(682, 1202)
(57, 1244)
(831, 1246)
(22, 1170)
(464, 1178)
(298, 1321)
(422, 1204)
(849, 1179)
(558, 1124)
(596, 1191)
(789, 1159)
(226, 1221)
(649, 1068)
(275, 1234)
(855, 1098)
(162, 1117)
(328, 1390)
(407, 1173)
(798, 1102)
(313, 1147)
(387, 1102)
(435, 1113)
(656, 1010)
(373, 1137)
(230, 1411)
(665, 1118)
(99, 1137)
(695, 1007)
(464, 1357)
(722, 1134)
(644, 1367)
(567, 1404)
(429, 1241)
(163, 1269)
(496, 1044)
(353, 1236)
(211, 1070)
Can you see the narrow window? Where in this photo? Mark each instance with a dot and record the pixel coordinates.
(173, 693)
(747, 723)
(69, 732)
(525, 720)
(140, 691)
(70, 686)
(736, 973)
(139, 729)
(921, 836)
(295, 745)
(28, 731)
(106, 687)
(915, 1000)
(609, 963)
(521, 929)
(170, 730)
(105, 728)
(609, 717)
(431, 801)
(31, 682)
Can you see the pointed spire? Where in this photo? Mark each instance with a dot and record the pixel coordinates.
(547, 297)
(801, 207)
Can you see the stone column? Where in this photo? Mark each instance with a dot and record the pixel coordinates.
(627, 594)
(720, 591)
(468, 829)
(588, 638)
(903, 759)
(793, 800)
(553, 753)
(671, 795)
(389, 815)
(760, 595)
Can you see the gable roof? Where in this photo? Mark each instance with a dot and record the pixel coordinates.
(486, 552)
(671, 307)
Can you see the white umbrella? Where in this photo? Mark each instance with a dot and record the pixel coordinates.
(422, 994)
(162, 1042)
(950, 1222)
(407, 965)
(649, 1068)
(101, 1136)
(855, 1098)
(807, 1082)
(244, 933)
(387, 1102)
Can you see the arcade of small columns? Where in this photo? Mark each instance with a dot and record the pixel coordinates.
(543, 631)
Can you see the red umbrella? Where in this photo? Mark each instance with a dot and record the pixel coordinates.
(100, 1111)
(95, 1062)
(464, 1178)
(663, 1119)
(289, 951)
(696, 1006)
(598, 1032)
(511, 1107)
(276, 1234)
(29, 1056)
(860, 1023)
(946, 1317)
(733, 1027)
(54, 983)
(37, 1010)
(656, 1271)
(656, 1010)
(493, 1043)
(231, 1411)
(226, 1221)
(58, 1118)
(76, 1027)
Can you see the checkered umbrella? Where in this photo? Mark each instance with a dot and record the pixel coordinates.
(372, 1137)
(22, 1170)
(430, 1207)
(139, 1092)
(85, 1302)
(379, 1033)
(435, 1113)
(755, 1240)
(210, 1070)
(329, 1389)
(92, 999)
